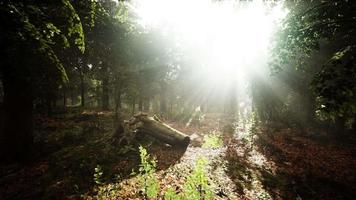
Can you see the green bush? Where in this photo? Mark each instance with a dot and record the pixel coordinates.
(197, 186)
(148, 180)
(212, 140)
(170, 194)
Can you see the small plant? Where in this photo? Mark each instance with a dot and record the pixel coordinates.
(108, 191)
(147, 177)
(170, 194)
(197, 185)
(212, 140)
(98, 173)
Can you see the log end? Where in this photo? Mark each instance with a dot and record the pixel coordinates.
(185, 142)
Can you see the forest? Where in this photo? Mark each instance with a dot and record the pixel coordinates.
(178, 99)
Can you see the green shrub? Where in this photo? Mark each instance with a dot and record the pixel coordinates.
(170, 194)
(212, 140)
(197, 186)
(148, 180)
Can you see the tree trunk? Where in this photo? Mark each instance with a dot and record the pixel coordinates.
(154, 127)
(140, 103)
(117, 100)
(16, 137)
(146, 105)
(340, 125)
(82, 90)
(133, 106)
(163, 103)
(72, 96)
(105, 96)
(310, 108)
(64, 99)
(49, 105)
(163, 99)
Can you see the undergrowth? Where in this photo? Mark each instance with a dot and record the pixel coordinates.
(212, 140)
(196, 187)
(147, 178)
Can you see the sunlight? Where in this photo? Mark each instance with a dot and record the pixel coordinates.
(226, 42)
(227, 37)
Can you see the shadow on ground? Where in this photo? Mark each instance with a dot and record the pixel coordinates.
(68, 148)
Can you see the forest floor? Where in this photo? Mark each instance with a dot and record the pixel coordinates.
(252, 163)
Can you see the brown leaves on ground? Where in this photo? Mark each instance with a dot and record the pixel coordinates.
(312, 163)
(291, 165)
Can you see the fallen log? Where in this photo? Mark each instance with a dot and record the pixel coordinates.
(154, 127)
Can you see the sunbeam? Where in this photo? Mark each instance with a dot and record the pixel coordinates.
(227, 40)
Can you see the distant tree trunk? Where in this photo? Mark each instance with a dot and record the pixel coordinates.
(133, 106)
(64, 99)
(105, 95)
(233, 104)
(72, 96)
(163, 98)
(117, 100)
(140, 103)
(98, 96)
(54, 102)
(171, 107)
(82, 89)
(49, 105)
(340, 125)
(16, 137)
(146, 105)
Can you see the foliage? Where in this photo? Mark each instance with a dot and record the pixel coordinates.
(33, 26)
(170, 194)
(98, 173)
(314, 33)
(148, 180)
(212, 140)
(197, 185)
(336, 89)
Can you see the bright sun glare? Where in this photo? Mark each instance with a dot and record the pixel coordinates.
(229, 38)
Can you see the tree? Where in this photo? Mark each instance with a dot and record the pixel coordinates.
(33, 35)
(321, 31)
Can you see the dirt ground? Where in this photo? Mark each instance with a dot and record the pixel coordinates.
(255, 162)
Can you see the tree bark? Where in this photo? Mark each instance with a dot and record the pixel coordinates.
(64, 99)
(117, 100)
(105, 96)
(146, 105)
(140, 103)
(82, 89)
(133, 106)
(154, 127)
(49, 105)
(340, 125)
(16, 138)
(163, 103)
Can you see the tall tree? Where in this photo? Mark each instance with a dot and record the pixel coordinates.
(310, 28)
(32, 36)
